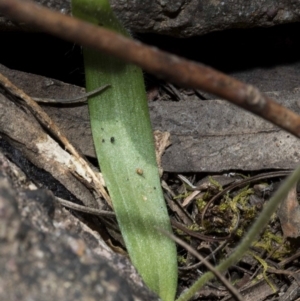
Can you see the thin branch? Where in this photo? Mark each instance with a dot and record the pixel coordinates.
(77, 207)
(198, 264)
(218, 275)
(197, 234)
(79, 99)
(169, 67)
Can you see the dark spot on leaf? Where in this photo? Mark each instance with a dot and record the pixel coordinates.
(112, 139)
(139, 171)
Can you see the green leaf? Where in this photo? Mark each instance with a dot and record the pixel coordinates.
(124, 145)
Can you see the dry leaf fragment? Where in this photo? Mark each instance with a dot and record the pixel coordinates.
(289, 215)
(162, 141)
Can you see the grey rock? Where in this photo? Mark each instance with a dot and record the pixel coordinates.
(185, 18)
(206, 136)
(44, 255)
(216, 136)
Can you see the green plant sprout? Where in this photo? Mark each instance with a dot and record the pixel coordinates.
(124, 145)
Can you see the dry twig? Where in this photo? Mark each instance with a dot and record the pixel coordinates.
(218, 275)
(85, 209)
(170, 67)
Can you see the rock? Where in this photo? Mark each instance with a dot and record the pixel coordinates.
(190, 18)
(206, 136)
(46, 255)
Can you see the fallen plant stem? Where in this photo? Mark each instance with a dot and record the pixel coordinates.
(197, 234)
(288, 260)
(249, 237)
(213, 270)
(85, 209)
(79, 99)
(170, 67)
(198, 264)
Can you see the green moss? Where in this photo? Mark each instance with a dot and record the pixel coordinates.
(181, 260)
(215, 183)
